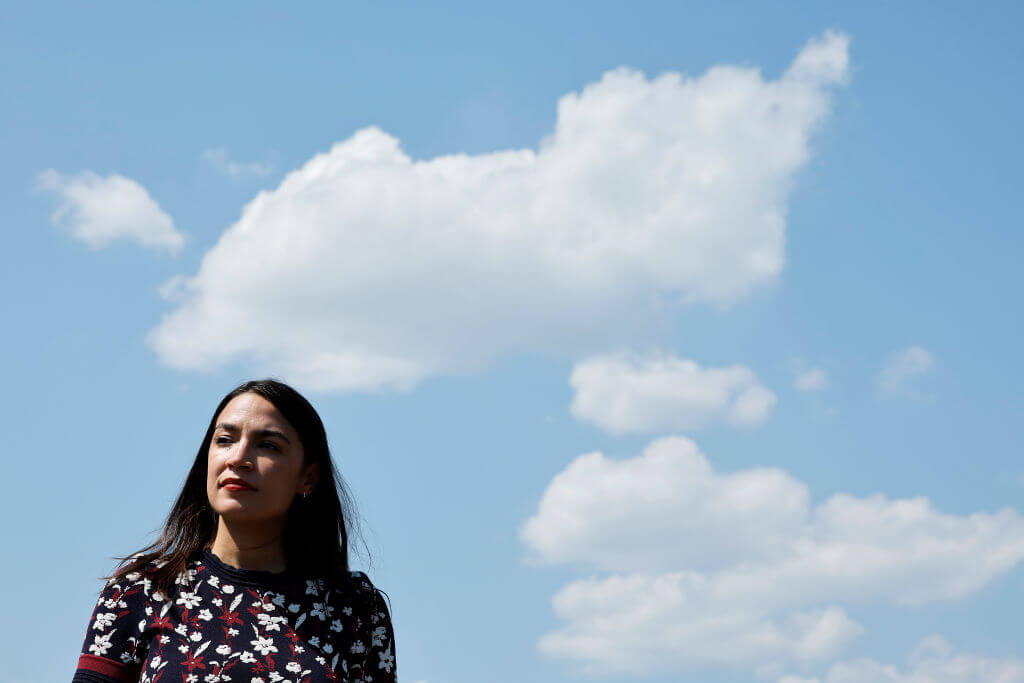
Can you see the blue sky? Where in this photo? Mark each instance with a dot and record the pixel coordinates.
(699, 377)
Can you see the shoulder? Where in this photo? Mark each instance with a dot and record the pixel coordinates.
(359, 590)
(136, 585)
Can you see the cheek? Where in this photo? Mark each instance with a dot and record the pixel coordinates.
(211, 468)
(279, 478)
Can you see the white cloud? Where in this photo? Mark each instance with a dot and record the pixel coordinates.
(901, 368)
(219, 159)
(740, 569)
(629, 393)
(933, 661)
(365, 268)
(810, 380)
(99, 211)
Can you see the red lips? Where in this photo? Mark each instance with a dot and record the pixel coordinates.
(236, 484)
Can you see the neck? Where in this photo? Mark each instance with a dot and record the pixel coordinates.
(249, 546)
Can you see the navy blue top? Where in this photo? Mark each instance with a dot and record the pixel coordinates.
(230, 625)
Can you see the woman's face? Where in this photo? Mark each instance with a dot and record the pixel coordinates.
(252, 442)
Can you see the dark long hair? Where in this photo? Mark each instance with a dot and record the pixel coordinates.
(316, 533)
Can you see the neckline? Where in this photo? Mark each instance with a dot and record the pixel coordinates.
(248, 577)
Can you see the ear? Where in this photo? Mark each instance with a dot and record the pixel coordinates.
(310, 477)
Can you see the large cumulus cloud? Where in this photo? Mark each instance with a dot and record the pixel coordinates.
(701, 568)
(366, 268)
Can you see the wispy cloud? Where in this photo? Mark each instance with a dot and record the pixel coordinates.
(702, 568)
(934, 660)
(810, 380)
(901, 368)
(101, 210)
(648, 193)
(219, 158)
(631, 393)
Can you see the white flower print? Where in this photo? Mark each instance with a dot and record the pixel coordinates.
(294, 607)
(310, 587)
(155, 663)
(232, 631)
(228, 588)
(196, 636)
(328, 648)
(256, 679)
(294, 667)
(347, 611)
(378, 635)
(387, 660)
(212, 678)
(314, 641)
(357, 647)
(185, 577)
(205, 615)
(101, 644)
(103, 620)
(336, 625)
(224, 649)
(246, 657)
(183, 649)
(269, 622)
(189, 600)
(263, 645)
(158, 596)
(213, 581)
(181, 629)
(191, 678)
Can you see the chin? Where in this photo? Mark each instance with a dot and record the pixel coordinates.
(243, 511)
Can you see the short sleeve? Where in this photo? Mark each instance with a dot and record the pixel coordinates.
(114, 648)
(377, 664)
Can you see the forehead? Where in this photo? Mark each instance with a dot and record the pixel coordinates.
(252, 411)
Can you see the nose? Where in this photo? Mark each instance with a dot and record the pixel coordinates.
(240, 456)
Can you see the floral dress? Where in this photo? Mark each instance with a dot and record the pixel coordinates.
(229, 625)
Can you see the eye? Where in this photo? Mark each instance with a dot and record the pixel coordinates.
(271, 445)
(222, 440)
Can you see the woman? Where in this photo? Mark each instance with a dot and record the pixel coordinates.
(249, 580)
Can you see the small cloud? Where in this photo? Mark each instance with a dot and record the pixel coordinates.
(99, 211)
(628, 393)
(175, 289)
(895, 377)
(219, 159)
(807, 381)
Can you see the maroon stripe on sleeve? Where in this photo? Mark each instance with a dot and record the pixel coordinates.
(123, 673)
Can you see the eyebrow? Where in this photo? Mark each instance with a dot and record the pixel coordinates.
(228, 427)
